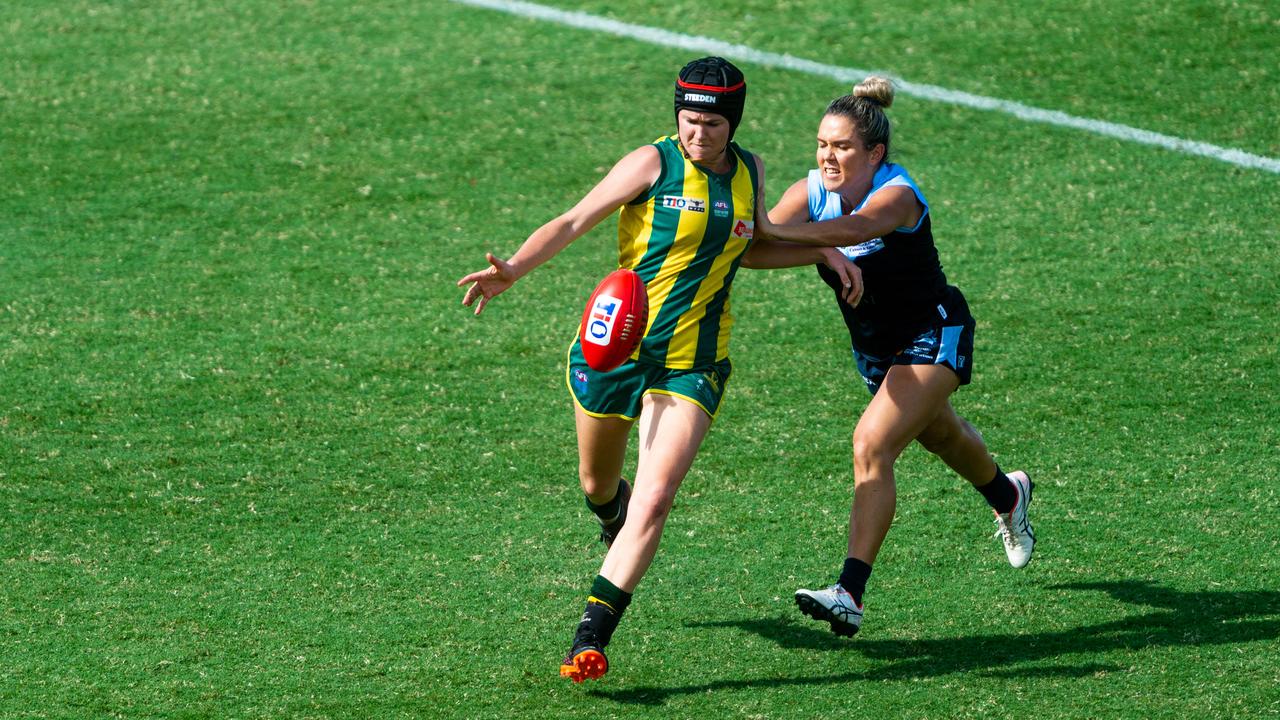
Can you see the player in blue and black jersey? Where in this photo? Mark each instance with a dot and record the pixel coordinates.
(912, 337)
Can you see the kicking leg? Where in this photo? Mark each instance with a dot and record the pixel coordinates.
(671, 431)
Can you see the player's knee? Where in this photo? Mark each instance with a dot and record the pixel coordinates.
(937, 439)
(652, 505)
(870, 454)
(596, 485)
(944, 437)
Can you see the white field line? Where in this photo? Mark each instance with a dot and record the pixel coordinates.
(848, 76)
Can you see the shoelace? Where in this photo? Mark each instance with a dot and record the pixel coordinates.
(1005, 531)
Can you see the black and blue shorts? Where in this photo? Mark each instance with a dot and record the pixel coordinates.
(950, 343)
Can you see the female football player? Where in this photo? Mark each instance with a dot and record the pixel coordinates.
(912, 337)
(687, 203)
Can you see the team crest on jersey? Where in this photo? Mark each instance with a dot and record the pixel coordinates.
(713, 380)
(686, 204)
(720, 208)
(745, 229)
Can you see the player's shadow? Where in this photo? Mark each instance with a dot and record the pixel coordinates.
(1171, 618)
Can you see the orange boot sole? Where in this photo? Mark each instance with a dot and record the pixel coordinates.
(586, 665)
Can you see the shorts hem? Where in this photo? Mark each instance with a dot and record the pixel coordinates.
(669, 393)
(578, 403)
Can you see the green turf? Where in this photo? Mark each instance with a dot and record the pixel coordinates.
(256, 461)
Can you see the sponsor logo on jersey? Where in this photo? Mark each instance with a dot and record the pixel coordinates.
(686, 204)
(865, 248)
(699, 97)
(720, 208)
(745, 229)
(604, 313)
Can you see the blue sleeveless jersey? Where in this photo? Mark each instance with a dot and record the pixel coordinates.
(903, 278)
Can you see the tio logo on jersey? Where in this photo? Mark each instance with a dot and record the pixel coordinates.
(686, 204)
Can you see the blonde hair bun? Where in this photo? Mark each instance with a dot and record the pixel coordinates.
(875, 88)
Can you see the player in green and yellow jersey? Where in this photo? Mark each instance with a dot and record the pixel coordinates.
(688, 204)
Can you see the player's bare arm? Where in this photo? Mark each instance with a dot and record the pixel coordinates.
(888, 209)
(766, 253)
(630, 176)
(793, 207)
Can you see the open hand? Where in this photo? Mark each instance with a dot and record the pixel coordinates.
(488, 283)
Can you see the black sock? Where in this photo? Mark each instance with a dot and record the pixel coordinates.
(1000, 493)
(854, 578)
(604, 609)
(609, 511)
(606, 592)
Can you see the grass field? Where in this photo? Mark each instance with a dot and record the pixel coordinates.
(257, 461)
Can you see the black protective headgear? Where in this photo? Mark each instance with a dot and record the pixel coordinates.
(712, 84)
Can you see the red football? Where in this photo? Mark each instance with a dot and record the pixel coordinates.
(616, 317)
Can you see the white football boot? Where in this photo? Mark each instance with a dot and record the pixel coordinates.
(1014, 528)
(833, 605)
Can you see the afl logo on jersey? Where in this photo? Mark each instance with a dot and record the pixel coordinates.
(697, 205)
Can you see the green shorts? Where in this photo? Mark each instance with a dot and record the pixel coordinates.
(620, 392)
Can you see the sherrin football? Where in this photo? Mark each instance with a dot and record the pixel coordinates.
(615, 319)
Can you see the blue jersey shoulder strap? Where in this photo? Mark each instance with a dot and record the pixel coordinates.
(890, 175)
(824, 205)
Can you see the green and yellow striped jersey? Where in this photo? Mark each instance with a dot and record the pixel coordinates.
(685, 238)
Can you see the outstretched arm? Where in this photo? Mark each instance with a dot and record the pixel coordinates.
(888, 210)
(768, 254)
(632, 175)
